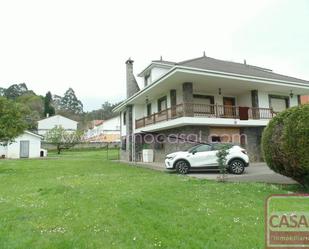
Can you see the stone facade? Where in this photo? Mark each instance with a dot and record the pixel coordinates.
(253, 144)
(183, 138)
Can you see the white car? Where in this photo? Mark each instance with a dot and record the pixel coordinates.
(204, 156)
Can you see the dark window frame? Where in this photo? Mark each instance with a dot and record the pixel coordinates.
(286, 98)
(149, 109)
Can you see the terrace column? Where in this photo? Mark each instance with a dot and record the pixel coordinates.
(255, 104)
(173, 102)
(187, 89)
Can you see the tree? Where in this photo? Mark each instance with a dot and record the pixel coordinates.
(48, 105)
(33, 104)
(63, 139)
(222, 158)
(70, 103)
(2, 91)
(16, 90)
(12, 120)
(285, 144)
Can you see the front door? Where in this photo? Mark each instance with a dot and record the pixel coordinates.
(24, 149)
(229, 107)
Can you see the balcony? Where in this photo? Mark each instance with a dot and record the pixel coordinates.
(206, 111)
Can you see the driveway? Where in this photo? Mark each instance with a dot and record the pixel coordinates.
(256, 172)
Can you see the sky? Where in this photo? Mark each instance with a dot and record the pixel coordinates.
(54, 45)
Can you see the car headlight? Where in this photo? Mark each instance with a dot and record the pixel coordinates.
(170, 157)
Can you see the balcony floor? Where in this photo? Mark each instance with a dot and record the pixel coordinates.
(200, 121)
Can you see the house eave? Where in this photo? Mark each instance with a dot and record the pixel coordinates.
(152, 65)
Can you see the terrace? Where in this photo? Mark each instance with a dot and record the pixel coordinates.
(206, 111)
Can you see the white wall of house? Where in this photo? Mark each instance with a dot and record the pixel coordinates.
(47, 124)
(294, 101)
(123, 129)
(157, 72)
(112, 124)
(244, 99)
(264, 99)
(13, 150)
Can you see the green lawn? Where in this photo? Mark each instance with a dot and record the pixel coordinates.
(81, 200)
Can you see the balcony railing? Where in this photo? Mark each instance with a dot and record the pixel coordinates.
(205, 110)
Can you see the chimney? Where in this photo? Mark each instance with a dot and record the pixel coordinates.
(132, 86)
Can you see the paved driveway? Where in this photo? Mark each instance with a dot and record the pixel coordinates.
(256, 172)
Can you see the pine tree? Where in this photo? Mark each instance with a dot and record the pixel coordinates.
(70, 103)
(48, 105)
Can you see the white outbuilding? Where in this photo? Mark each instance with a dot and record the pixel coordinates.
(27, 145)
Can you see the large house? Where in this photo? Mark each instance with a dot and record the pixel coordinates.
(49, 123)
(202, 100)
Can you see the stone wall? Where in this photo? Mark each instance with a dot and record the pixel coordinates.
(183, 138)
(177, 139)
(253, 145)
(95, 145)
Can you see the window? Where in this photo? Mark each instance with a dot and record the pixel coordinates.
(203, 99)
(148, 110)
(204, 104)
(200, 148)
(215, 138)
(278, 103)
(124, 118)
(162, 103)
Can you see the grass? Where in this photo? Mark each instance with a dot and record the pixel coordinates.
(81, 200)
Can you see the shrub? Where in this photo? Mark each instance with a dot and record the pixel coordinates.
(285, 144)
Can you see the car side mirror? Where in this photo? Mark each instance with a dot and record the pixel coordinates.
(194, 152)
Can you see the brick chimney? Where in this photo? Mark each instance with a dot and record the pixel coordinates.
(132, 86)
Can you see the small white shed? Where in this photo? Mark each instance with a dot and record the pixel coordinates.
(27, 145)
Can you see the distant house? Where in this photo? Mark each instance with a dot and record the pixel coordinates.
(108, 131)
(95, 123)
(27, 145)
(304, 99)
(49, 123)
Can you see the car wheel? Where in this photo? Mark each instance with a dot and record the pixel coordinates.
(237, 167)
(182, 167)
